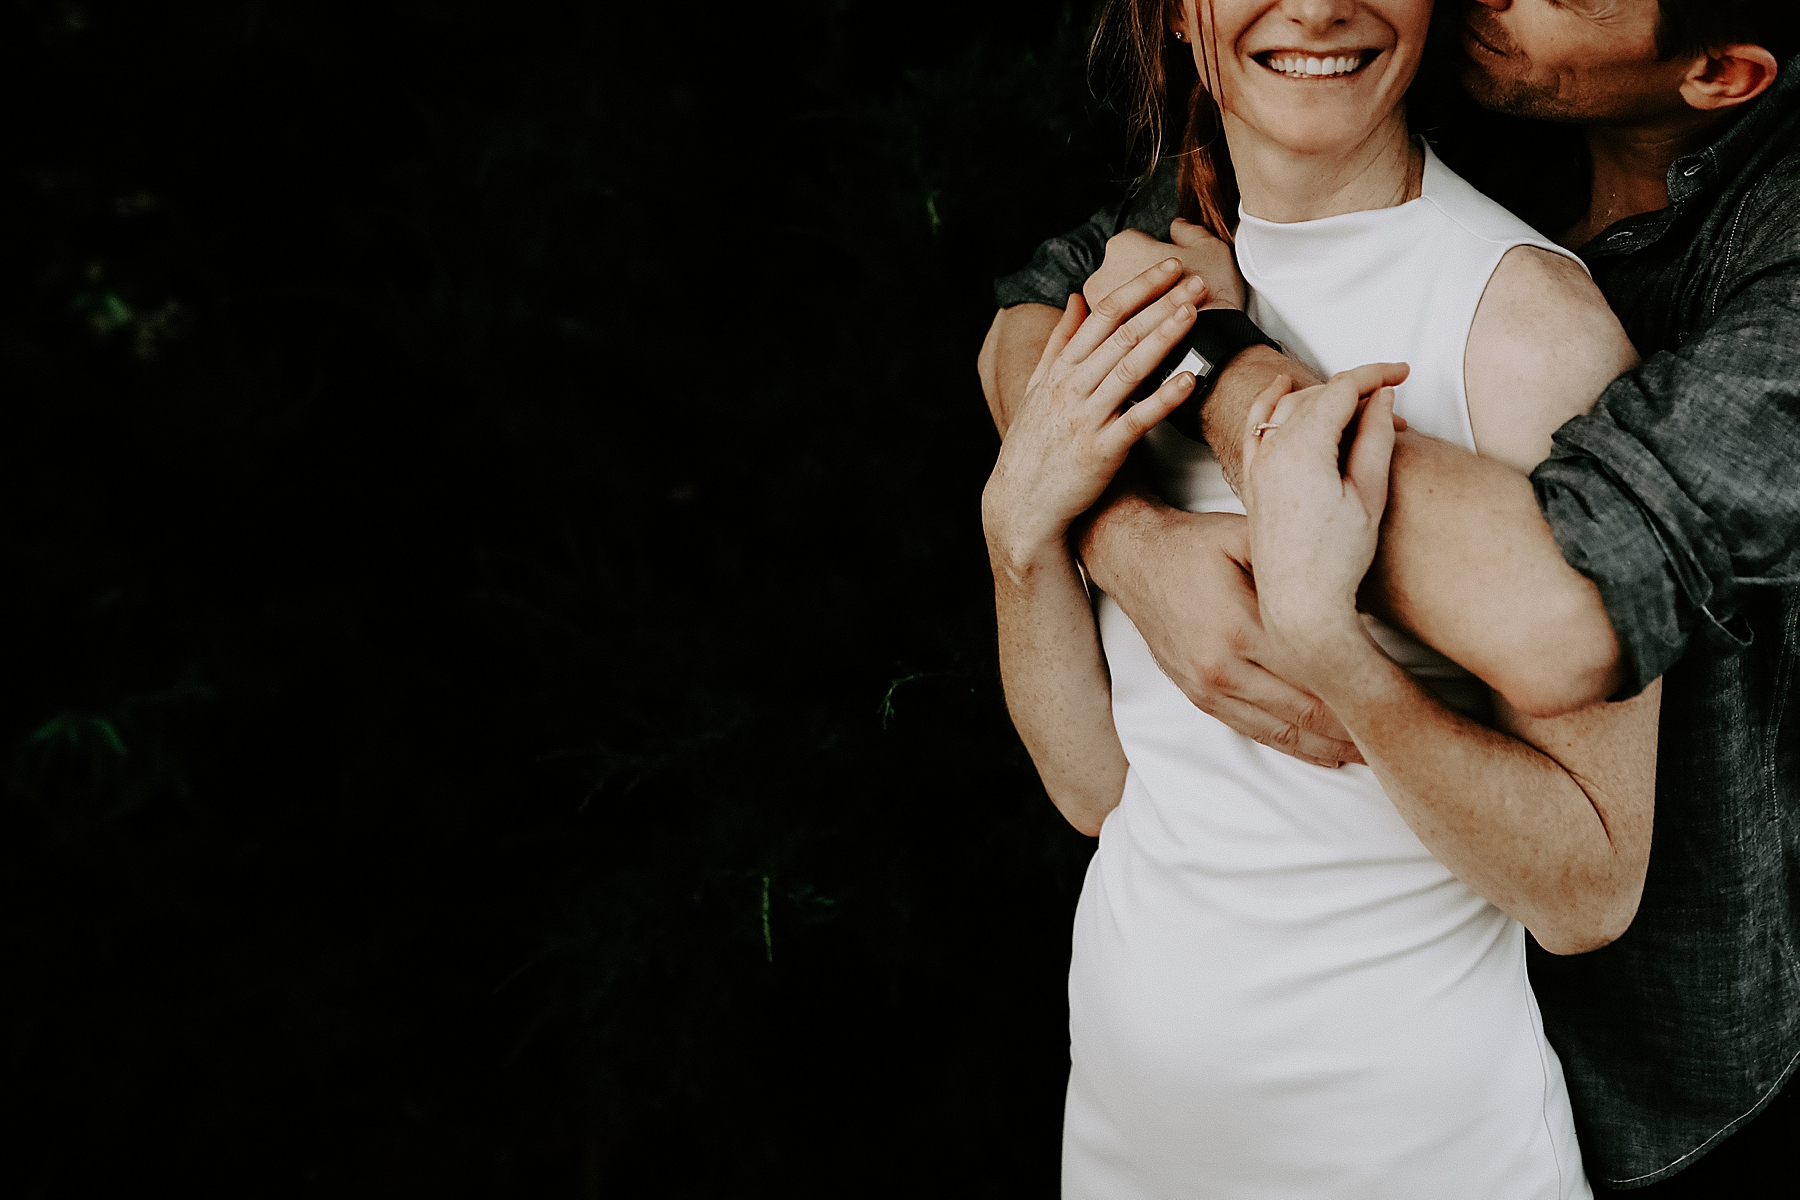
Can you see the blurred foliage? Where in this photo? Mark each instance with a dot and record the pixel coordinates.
(502, 695)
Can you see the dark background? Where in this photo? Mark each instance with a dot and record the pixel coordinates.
(500, 698)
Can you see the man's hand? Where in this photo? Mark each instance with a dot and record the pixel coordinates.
(1186, 585)
(1130, 253)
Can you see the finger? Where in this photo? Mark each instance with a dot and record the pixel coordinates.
(1137, 349)
(1185, 233)
(1264, 727)
(1142, 417)
(1260, 684)
(1370, 376)
(1072, 317)
(1291, 402)
(1372, 451)
(1399, 423)
(1319, 424)
(1152, 333)
(1262, 411)
(1120, 304)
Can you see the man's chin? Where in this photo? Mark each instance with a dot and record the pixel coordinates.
(1515, 97)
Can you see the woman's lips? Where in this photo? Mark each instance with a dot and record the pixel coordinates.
(1297, 64)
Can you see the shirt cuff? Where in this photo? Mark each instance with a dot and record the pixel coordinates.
(1622, 521)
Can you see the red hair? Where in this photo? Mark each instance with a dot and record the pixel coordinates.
(1160, 81)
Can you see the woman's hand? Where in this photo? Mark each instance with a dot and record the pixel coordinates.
(1070, 436)
(1315, 487)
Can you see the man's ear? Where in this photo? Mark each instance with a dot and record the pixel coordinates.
(1727, 76)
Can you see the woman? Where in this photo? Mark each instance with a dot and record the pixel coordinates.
(1276, 988)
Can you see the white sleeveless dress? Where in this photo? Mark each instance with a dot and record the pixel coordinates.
(1275, 989)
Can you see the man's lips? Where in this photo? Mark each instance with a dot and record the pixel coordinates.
(1484, 43)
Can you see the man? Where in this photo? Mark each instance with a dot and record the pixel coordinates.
(1675, 505)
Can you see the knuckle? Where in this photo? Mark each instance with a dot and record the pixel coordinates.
(1244, 639)
(1285, 739)
(1315, 715)
(1216, 675)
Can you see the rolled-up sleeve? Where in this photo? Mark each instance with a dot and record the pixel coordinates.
(1061, 265)
(1682, 486)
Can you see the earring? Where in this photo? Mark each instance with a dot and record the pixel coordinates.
(1180, 36)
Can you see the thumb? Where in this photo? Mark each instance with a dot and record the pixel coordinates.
(1186, 233)
(1372, 452)
(1072, 317)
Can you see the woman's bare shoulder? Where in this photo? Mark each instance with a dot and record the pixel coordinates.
(1542, 348)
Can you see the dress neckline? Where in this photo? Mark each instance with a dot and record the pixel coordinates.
(1428, 176)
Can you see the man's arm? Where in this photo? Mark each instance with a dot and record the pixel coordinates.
(1010, 354)
(1513, 610)
(1681, 490)
(1551, 824)
(1466, 562)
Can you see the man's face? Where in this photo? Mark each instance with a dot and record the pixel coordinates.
(1569, 60)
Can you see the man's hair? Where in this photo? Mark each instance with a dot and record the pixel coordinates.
(1693, 26)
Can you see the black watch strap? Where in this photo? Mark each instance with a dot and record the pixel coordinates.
(1216, 338)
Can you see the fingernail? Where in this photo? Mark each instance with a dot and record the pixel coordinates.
(1170, 265)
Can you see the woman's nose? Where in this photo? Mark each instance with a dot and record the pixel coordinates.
(1318, 14)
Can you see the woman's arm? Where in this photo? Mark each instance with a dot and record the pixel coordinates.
(1057, 686)
(1548, 818)
(1551, 824)
(1063, 446)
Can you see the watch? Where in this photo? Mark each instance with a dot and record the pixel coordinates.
(1218, 334)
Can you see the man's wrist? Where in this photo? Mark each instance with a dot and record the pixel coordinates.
(1228, 405)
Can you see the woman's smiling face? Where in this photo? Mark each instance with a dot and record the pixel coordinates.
(1313, 76)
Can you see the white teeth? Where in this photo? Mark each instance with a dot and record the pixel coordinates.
(1300, 68)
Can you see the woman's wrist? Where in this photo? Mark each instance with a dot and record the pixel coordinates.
(1323, 652)
(1019, 559)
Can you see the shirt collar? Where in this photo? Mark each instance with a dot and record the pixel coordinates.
(1705, 171)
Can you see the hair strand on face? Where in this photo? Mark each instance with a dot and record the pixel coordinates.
(1160, 80)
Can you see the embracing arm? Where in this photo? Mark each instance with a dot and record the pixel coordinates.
(1010, 354)
(1067, 440)
(1550, 819)
(1680, 493)
(1547, 818)
(1466, 561)
(1183, 578)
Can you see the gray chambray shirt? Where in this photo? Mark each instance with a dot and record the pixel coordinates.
(1679, 496)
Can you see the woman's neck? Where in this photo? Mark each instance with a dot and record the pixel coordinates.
(1281, 185)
